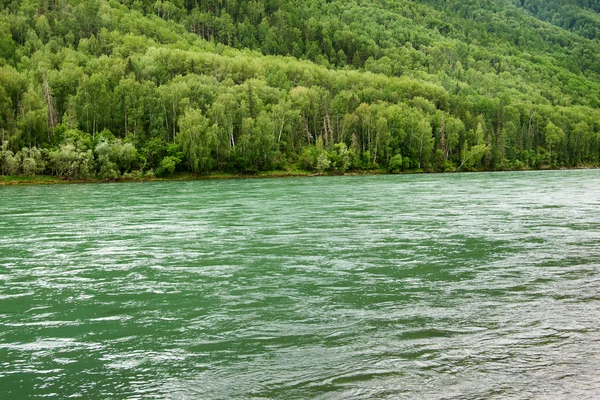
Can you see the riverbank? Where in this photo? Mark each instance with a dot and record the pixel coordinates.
(189, 176)
(178, 176)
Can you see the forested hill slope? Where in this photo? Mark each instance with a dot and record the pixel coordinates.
(96, 88)
(579, 16)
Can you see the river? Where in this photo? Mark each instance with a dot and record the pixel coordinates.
(483, 285)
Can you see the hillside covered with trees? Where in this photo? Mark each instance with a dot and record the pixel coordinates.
(107, 88)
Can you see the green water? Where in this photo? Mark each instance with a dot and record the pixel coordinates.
(383, 287)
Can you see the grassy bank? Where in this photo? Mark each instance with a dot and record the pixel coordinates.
(178, 176)
(189, 176)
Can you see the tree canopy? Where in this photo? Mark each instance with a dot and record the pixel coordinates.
(105, 88)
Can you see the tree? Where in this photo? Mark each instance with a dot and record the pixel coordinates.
(224, 113)
(340, 157)
(33, 117)
(106, 160)
(396, 164)
(68, 161)
(554, 136)
(197, 139)
(580, 141)
(92, 103)
(422, 141)
(33, 162)
(472, 156)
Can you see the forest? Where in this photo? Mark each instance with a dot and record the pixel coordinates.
(107, 89)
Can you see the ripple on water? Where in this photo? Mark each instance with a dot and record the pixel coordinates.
(423, 286)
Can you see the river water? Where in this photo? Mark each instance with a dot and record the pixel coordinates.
(445, 286)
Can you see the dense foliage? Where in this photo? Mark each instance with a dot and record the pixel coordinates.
(97, 88)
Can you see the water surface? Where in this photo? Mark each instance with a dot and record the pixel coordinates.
(417, 286)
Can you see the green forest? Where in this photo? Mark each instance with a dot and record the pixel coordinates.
(107, 89)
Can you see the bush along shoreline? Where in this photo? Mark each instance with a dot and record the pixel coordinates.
(150, 176)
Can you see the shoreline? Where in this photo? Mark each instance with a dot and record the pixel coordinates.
(189, 176)
(179, 176)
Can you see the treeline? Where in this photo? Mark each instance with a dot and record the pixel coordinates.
(103, 89)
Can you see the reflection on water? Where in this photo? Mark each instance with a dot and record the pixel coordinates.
(421, 286)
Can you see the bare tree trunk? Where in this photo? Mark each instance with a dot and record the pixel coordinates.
(443, 137)
(174, 118)
(52, 119)
(530, 130)
(308, 134)
(281, 130)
